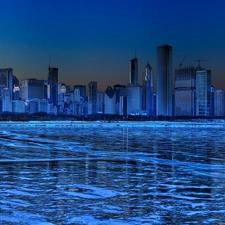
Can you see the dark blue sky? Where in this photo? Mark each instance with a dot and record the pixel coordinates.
(94, 40)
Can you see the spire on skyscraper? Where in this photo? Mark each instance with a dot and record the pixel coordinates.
(49, 63)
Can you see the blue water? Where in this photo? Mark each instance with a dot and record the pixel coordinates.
(112, 175)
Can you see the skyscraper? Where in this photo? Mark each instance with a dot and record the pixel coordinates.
(148, 89)
(32, 88)
(109, 101)
(52, 75)
(6, 100)
(134, 90)
(123, 106)
(92, 96)
(76, 95)
(6, 79)
(82, 89)
(134, 99)
(203, 92)
(52, 85)
(185, 91)
(164, 80)
(100, 102)
(121, 91)
(219, 103)
(133, 73)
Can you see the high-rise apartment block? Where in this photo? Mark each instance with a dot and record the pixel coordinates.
(164, 80)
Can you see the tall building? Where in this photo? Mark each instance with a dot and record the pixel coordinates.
(100, 102)
(16, 89)
(212, 101)
(33, 88)
(219, 102)
(121, 91)
(76, 95)
(164, 80)
(134, 90)
(134, 99)
(82, 89)
(203, 92)
(109, 101)
(52, 75)
(123, 106)
(52, 85)
(60, 95)
(15, 81)
(148, 89)
(185, 92)
(6, 80)
(133, 72)
(6, 100)
(92, 96)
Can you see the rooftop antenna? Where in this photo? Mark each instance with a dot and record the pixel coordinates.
(49, 61)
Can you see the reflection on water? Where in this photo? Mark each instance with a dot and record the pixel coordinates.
(116, 175)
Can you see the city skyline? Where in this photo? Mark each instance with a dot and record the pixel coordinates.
(95, 41)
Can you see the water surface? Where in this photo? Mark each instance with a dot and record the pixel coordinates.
(112, 175)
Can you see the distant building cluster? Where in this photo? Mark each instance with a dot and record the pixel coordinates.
(191, 93)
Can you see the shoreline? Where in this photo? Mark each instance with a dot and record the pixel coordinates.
(219, 124)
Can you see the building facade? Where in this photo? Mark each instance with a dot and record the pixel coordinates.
(185, 92)
(134, 99)
(18, 106)
(33, 88)
(219, 102)
(76, 94)
(203, 92)
(6, 80)
(6, 100)
(52, 85)
(109, 101)
(100, 102)
(164, 80)
(121, 91)
(133, 71)
(82, 89)
(92, 97)
(148, 90)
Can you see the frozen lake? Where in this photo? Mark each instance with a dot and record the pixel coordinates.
(99, 173)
